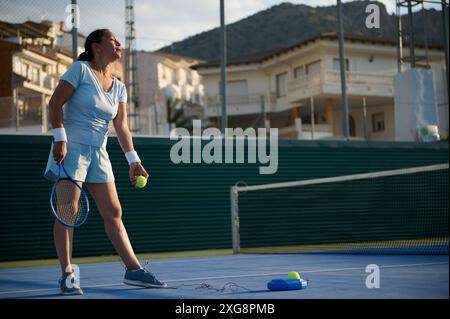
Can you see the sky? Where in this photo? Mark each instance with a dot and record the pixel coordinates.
(158, 22)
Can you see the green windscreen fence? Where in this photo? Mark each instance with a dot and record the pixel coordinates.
(184, 206)
(398, 211)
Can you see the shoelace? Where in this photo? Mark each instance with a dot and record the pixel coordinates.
(144, 268)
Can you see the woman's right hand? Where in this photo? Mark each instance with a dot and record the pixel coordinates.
(59, 151)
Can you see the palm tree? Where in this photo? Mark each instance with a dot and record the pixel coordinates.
(176, 115)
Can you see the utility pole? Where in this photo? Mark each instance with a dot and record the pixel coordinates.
(74, 30)
(223, 66)
(343, 75)
(131, 66)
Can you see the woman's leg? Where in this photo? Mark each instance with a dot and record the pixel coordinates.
(63, 237)
(108, 204)
(67, 197)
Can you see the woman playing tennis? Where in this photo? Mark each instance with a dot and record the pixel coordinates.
(92, 97)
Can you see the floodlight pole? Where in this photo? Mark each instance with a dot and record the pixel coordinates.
(223, 65)
(343, 75)
(74, 31)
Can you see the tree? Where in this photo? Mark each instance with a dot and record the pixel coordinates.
(176, 115)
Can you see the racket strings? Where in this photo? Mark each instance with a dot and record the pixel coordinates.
(69, 204)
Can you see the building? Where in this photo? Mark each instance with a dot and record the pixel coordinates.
(31, 64)
(162, 78)
(298, 89)
(33, 56)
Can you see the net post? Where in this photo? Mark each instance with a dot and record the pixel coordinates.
(235, 220)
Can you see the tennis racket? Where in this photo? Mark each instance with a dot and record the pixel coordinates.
(69, 201)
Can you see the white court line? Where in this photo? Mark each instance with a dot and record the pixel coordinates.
(235, 276)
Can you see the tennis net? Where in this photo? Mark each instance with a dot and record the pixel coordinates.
(403, 211)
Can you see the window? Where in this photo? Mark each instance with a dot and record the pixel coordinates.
(313, 67)
(281, 84)
(299, 72)
(198, 98)
(337, 66)
(378, 122)
(35, 75)
(237, 91)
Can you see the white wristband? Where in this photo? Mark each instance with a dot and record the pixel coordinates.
(132, 157)
(59, 134)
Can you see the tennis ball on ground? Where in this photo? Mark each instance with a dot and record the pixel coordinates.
(293, 275)
(141, 181)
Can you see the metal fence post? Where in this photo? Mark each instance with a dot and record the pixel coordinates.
(235, 220)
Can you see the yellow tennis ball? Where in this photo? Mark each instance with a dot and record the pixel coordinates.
(141, 181)
(293, 275)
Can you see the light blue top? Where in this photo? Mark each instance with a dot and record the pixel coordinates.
(90, 109)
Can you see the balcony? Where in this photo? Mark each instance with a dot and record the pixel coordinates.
(40, 82)
(48, 82)
(306, 131)
(240, 105)
(329, 82)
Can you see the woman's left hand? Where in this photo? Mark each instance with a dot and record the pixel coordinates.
(136, 169)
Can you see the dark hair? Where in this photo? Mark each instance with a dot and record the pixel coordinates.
(94, 37)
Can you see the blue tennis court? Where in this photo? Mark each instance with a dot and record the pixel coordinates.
(245, 276)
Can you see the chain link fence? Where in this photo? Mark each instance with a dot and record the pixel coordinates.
(24, 114)
(36, 41)
(42, 30)
(36, 46)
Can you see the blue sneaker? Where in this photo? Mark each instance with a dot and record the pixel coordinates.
(142, 278)
(73, 290)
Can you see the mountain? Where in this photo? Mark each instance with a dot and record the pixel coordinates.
(287, 24)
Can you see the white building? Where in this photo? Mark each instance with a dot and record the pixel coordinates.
(33, 58)
(298, 89)
(31, 65)
(161, 78)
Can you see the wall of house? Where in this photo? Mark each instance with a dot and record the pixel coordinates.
(364, 61)
(7, 113)
(257, 85)
(357, 113)
(147, 86)
(191, 86)
(6, 52)
(379, 63)
(288, 66)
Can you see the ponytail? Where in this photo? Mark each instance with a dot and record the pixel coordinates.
(85, 57)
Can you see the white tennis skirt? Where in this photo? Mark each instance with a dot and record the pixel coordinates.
(84, 163)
